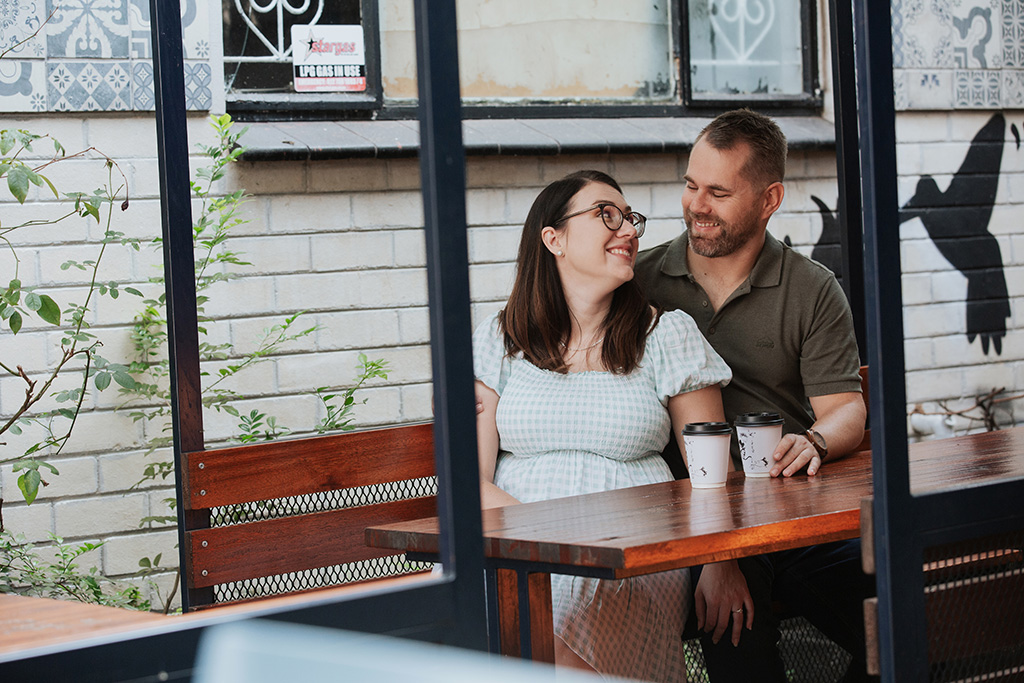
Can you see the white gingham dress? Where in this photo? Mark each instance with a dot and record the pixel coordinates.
(563, 435)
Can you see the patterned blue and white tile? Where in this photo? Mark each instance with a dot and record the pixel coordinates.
(22, 85)
(1013, 88)
(143, 97)
(976, 89)
(927, 34)
(899, 85)
(20, 19)
(977, 37)
(195, 29)
(83, 29)
(198, 76)
(1013, 33)
(929, 89)
(89, 86)
(897, 34)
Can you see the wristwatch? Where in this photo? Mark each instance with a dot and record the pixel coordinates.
(818, 441)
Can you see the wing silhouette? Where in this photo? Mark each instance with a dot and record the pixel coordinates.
(957, 222)
(828, 250)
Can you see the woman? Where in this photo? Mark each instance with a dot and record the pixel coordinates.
(581, 383)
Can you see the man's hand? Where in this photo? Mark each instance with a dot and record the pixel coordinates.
(722, 595)
(840, 420)
(793, 453)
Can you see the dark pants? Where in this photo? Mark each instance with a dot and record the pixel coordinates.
(823, 583)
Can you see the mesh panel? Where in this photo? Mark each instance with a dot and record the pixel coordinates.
(808, 656)
(322, 577)
(319, 502)
(974, 595)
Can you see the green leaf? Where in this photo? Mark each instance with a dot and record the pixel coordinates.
(132, 290)
(15, 322)
(49, 310)
(6, 141)
(52, 188)
(33, 302)
(102, 380)
(124, 379)
(29, 485)
(18, 181)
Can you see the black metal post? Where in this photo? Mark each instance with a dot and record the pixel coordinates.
(848, 209)
(898, 550)
(179, 260)
(443, 174)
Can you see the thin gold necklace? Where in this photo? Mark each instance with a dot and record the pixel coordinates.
(581, 348)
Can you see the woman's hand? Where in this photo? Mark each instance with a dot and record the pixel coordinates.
(722, 595)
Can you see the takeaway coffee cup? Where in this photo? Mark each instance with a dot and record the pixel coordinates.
(758, 434)
(707, 453)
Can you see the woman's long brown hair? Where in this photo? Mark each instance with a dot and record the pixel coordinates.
(536, 319)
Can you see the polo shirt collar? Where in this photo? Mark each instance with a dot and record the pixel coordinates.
(767, 271)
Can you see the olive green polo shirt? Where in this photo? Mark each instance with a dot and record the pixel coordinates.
(786, 332)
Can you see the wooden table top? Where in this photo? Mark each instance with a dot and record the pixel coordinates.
(669, 525)
(38, 622)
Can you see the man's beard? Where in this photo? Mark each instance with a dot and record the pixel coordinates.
(730, 237)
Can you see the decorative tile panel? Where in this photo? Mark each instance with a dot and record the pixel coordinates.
(1013, 33)
(22, 85)
(83, 29)
(94, 55)
(195, 31)
(19, 19)
(958, 54)
(89, 86)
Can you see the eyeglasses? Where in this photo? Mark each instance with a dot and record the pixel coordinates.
(613, 217)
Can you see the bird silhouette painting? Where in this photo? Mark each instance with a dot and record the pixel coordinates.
(957, 221)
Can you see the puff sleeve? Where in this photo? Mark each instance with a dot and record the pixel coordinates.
(490, 365)
(681, 359)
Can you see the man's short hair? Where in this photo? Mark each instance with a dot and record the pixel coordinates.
(767, 162)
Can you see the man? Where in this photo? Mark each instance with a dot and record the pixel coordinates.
(782, 324)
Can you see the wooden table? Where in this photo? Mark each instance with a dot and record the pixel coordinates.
(646, 529)
(29, 623)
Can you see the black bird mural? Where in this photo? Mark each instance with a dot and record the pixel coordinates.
(957, 222)
(828, 251)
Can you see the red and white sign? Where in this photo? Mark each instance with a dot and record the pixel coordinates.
(328, 58)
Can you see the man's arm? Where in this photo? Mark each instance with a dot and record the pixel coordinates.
(839, 419)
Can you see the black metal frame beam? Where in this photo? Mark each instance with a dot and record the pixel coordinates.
(179, 256)
(450, 609)
(904, 524)
(849, 206)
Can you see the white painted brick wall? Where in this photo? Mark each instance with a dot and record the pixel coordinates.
(344, 241)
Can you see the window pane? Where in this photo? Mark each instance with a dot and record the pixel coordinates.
(542, 50)
(257, 38)
(745, 47)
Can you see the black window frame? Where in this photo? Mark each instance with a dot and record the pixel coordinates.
(811, 96)
(372, 105)
(295, 106)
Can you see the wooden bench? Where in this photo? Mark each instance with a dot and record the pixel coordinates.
(289, 516)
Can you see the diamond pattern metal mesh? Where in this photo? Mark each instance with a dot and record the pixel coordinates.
(322, 577)
(974, 597)
(807, 655)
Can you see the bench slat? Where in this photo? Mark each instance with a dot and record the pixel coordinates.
(277, 469)
(290, 544)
